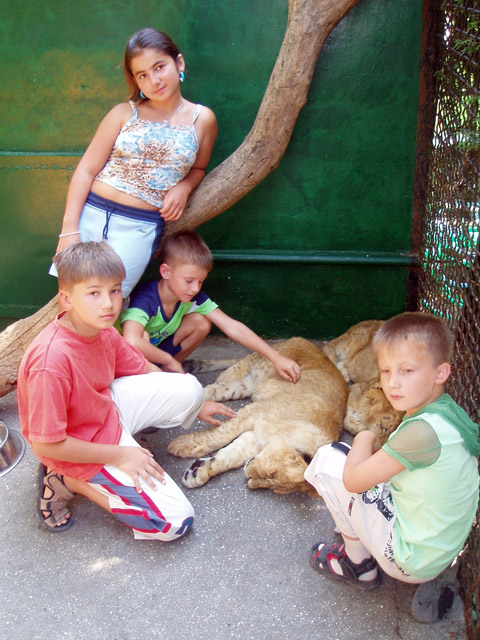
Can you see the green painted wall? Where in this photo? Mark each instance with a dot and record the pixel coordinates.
(340, 201)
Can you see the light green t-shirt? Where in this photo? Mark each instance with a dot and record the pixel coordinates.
(436, 496)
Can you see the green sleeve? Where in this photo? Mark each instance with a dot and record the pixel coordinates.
(134, 314)
(207, 307)
(415, 444)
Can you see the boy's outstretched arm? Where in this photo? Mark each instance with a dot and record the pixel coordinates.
(239, 332)
(367, 464)
(133, 333)
(136, 461)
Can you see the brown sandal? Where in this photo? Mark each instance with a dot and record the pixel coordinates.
(56, 504)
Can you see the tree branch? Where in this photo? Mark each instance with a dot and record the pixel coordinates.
(309, 24)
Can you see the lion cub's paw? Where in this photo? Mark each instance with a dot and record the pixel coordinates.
(185, 446)
(198, 473)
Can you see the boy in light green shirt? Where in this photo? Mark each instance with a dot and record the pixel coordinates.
(406, 507)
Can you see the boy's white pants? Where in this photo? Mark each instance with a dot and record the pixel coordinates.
(152, 400)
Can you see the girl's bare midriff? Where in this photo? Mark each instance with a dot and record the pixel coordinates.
(106, 191)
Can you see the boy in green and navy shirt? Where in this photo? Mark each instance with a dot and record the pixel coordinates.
(169, 318)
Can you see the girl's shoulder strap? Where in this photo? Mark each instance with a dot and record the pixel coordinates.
(198, 108)
(134, 108)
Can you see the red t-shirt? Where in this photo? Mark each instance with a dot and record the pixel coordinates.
(63, 390)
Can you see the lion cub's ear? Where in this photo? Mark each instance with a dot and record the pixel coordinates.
(372, 396)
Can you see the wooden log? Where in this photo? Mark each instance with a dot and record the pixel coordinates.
(15, 339)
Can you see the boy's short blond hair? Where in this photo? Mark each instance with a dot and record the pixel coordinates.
(85, 260)
(186, 247)
(426, 330)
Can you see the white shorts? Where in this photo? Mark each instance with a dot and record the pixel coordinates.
(133, 233)
(368, 516)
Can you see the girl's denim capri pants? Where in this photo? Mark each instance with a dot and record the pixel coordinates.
(132, 232)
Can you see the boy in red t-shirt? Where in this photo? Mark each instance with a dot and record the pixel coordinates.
(83, 393)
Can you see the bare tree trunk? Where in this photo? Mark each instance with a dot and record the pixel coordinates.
(309, 24)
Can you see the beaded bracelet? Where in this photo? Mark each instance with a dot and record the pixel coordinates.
(72, 233)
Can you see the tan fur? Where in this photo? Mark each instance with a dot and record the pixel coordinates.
(280, 431)
(352, 352)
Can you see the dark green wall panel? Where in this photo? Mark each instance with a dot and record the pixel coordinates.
(310, 301)
(344, 185)
(346, 180)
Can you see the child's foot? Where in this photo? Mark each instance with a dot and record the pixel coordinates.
(52, 501)
(433, 599)
(331, 560)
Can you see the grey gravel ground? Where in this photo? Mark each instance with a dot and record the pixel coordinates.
(242, 572)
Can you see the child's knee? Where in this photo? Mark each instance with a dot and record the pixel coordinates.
(185, 389)
(193, 389)
(184, 528)
(198, 324)
(204, 324)
(190, 402)
(176, 530)
(325, 471)
(329, 462)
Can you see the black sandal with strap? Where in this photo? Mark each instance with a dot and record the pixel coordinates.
(56, 504)
(322, 554)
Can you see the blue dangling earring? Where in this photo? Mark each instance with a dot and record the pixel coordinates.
(142, 96)
(182, 76)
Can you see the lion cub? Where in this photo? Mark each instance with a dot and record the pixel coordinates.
(277, 434)
(286, 423)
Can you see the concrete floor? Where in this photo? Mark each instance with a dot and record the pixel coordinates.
(242, 572)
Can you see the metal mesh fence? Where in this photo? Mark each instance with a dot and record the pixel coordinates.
(450, 253)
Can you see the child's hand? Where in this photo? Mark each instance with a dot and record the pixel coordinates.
(174, 202)
(209, 408)
(287, 368)
(140, 463)
(66, 241)
(369, 438)
(173, 366)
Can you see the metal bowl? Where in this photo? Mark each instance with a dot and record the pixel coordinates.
(12, 448)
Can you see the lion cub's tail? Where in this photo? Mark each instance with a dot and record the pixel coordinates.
(206, 366)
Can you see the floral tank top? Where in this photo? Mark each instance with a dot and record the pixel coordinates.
(149, 158)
